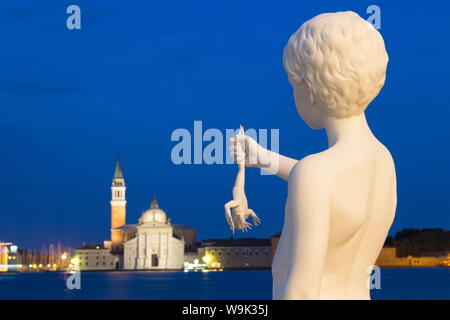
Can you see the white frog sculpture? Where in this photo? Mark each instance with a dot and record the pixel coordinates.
(237, 210)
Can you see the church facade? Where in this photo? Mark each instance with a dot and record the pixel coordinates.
(154, 245)
(151, 244)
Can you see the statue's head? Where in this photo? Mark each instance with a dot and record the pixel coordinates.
(336, 63)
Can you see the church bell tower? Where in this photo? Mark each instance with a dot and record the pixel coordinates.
(118, 208)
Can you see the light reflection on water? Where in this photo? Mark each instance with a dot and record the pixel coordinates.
(413, 283)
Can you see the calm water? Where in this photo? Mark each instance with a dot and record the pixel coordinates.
(423, 283)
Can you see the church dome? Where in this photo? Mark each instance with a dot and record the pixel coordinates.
(154, 214)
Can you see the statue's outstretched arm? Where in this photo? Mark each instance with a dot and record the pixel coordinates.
(279, 165)
(309, 211)
(244, 148)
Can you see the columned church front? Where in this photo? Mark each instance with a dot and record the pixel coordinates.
(150, 244)
(154, 245)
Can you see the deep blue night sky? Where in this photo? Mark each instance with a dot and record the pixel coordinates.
(72, 100)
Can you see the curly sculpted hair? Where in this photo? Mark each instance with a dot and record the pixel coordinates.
(338, 61)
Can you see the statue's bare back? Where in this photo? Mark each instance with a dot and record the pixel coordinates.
(361, 185)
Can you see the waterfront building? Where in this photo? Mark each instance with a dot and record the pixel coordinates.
(152, 243)
(155, 245)
(95, 257)
(388, 258)
(9, 257)
(4, 254)
(244, 253)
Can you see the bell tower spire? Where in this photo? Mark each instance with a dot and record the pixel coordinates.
(118, 206)
(118, 172)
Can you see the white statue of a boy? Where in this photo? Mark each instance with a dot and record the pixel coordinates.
(341, 201)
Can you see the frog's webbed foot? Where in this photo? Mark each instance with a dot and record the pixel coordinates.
(228, 216)
(242, 224)
(247, 226)
(255, 218)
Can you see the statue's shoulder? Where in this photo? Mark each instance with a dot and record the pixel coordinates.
(312, 170)
(310, 187)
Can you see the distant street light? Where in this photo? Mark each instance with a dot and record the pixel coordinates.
(206, 259)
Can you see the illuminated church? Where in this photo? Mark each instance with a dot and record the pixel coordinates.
(152, 243)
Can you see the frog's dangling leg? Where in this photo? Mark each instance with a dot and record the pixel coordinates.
(228, 206)
(256, 219)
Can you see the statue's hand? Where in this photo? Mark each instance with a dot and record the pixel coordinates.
(244, 149)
